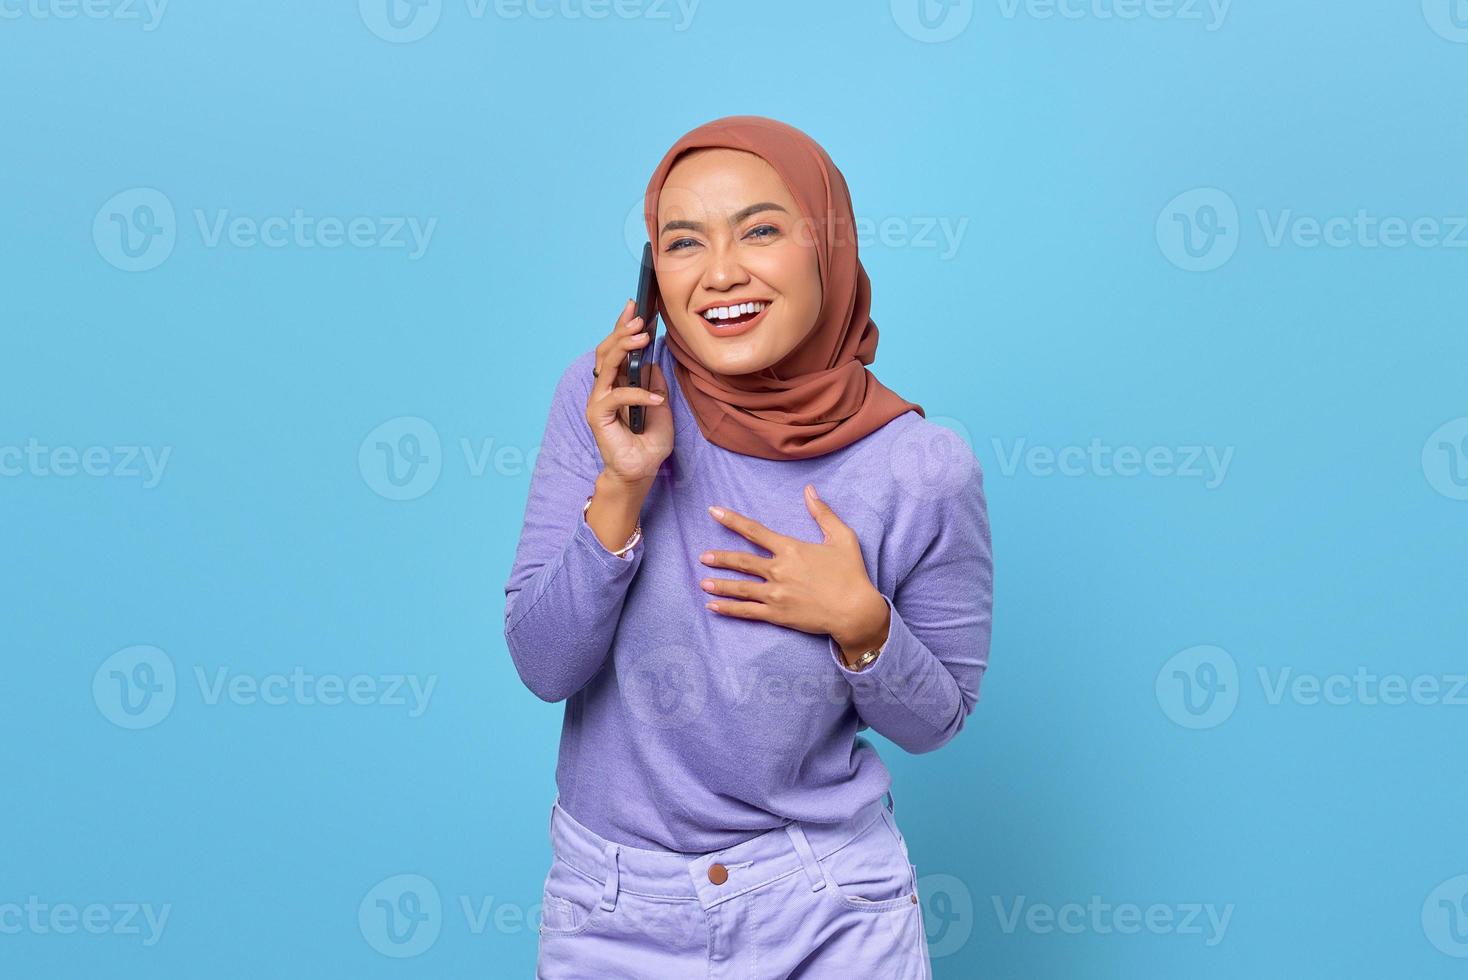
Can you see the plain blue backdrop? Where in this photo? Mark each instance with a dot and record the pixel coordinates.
(1190, 279)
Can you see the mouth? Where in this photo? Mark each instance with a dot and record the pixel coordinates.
(734, 318)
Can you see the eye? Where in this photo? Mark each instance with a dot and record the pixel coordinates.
(677, 244)
(763, 232)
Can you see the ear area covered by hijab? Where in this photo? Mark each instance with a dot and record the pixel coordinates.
(820, 397)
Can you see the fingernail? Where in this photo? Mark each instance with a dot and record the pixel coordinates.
(810, 488)
(706, 557)
(717, 511)
(658, 399)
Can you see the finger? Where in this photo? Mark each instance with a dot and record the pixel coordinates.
(740, 561)
(610, 360)
(748, 527)
(623, 318)
(831, 525)
(622, 397)
(738, 588)
(740, 610)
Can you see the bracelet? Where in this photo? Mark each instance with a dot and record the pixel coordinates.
(865, 659)
(631, 542)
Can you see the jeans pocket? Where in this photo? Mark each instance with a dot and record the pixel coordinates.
(871, 872)
(569, 902)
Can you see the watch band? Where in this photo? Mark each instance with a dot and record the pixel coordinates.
(631, 542)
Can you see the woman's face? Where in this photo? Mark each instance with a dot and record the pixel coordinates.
(730, 234)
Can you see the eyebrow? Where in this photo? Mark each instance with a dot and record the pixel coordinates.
(734, 218)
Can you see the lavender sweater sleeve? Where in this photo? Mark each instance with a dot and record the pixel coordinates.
(566, 590)
(925, 683)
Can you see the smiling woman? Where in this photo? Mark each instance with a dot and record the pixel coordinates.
(720, 630)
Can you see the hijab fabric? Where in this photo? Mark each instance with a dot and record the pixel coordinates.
(820, 396)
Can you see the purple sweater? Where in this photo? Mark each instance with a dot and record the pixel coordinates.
(688, 730)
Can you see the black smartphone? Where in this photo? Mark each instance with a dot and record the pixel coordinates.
(639, 361)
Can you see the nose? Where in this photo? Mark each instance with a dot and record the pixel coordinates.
(723, 271)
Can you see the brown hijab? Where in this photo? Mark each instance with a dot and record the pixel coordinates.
(820, 396)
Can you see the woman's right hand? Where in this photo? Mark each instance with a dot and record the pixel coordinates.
(627, 456)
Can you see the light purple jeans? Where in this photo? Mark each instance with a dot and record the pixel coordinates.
(804, 900)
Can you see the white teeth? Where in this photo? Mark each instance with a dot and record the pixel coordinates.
(729, 312)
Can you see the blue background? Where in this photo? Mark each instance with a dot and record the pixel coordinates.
(1335, 541)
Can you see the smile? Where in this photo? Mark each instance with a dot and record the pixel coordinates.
(734, 319)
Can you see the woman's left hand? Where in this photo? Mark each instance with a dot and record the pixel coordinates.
(813, 587)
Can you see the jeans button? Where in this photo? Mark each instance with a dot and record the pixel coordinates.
(718, 874)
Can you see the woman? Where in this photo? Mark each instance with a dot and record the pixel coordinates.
(788, 554)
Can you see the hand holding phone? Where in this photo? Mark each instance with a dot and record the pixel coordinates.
(633, 458)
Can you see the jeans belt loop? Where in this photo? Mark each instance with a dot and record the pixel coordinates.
(807, 856)
(609, 893)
